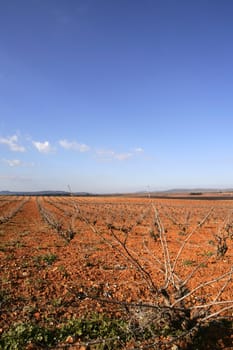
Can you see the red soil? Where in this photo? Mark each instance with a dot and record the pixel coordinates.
(47, 274)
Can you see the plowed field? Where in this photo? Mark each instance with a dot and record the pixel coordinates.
(64, 258)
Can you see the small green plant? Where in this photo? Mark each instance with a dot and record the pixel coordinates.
(56, 302)
(203, 265)
(23, 334)
(188, 262)
(207, 253)
(49, 259)
(105, 332)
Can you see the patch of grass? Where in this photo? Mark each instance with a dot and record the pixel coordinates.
(48, 259)
(207, 253)
(56, 302)
(106, 331)
(23, 334)
(203, 265)
(188, 262)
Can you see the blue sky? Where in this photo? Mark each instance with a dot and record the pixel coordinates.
(109, 96)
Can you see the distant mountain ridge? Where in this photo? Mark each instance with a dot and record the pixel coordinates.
(42, 193)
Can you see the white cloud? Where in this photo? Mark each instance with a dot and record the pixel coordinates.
(18, 162)
(108, 155)
(43, 147)
(75, 146)
(12, 143)
(138, 150)
(123, 156)
(13, 162)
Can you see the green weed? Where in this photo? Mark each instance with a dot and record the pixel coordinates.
(105, 330)
(188, 262)
(48, 259)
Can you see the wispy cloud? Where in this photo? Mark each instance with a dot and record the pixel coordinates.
(15, 178)
(12, 143)
(108, 155)
(13, 162)
(17, 163)
(123, 156)
(73, 145)
(138, 150)
(43, 147)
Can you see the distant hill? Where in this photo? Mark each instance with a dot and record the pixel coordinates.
(42, 193)
(197, 193)
(193, 193)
